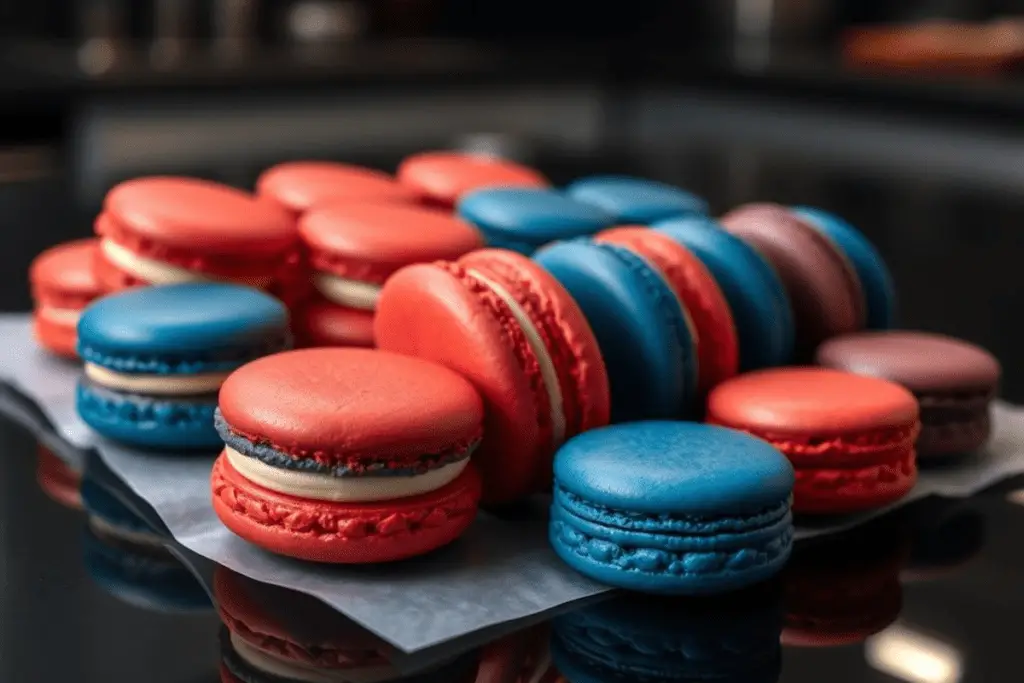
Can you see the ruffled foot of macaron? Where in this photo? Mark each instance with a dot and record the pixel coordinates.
(347, 455)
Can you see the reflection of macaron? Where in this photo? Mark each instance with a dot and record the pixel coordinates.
(714, 330)
(642, 328)
(729, 638)
(954, 382)
(347, 455)
(58, 480)
(636, 200)
(872, 272)
(443, 178)
(850, 438)
(166, 230)
(760, 307)
(303, 185)
(525, 219)
(672, 507)
(129, 560)
(155, 358)
(946, 535)
(354, 248)
(319, 322)
(63, 284)
(822, 285)
(501, 321)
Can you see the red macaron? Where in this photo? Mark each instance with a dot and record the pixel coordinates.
(500, 320)
(63, 283)
(850, 438)
(58, 480)
(299, 186)
(347, 455)
(165, 230)
(702, 299)
(443, 178)
(319, 322)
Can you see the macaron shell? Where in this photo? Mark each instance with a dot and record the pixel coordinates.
(811, 401)
(426, 312)
(302, 185)
(636, 200)
(923, 362)
(368, 242)
(359, 404)
(323, 323)
(445, 177)
(197, 215)
(62, 276)
(717, 341)
(58, 338)
(822, 286)
(343, 534)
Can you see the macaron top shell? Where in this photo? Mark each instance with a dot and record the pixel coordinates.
(302, 185)
(811, 401)
(531, 216)
(337, 405)
(368, 242)
(196, 215)
(636, 200)
(65, 272)
(446, 177)
(823, 287)
(921, 361)
(674, 468)
(122, 331)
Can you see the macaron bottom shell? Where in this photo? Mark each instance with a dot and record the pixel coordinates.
(59, 338)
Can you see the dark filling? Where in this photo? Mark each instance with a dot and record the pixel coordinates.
(948, 409)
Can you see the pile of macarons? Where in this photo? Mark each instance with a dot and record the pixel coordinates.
(681, 385)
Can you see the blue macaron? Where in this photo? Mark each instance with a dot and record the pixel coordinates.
(641, 327)
(155, 357)
(672, 507)
(760, 305)
(636, 200)
(523, 219)
(875, 278)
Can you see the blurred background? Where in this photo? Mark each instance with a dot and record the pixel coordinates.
(902, 116)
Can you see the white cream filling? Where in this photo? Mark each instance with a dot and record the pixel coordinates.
(142, 538)
(160, 273)
(300, 671)
(61, 316)
(351, 293)
(363, 489)
(159, 385)
(547, 366)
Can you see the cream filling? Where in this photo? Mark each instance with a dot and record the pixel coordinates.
(301, 671)
(61, 316)
(159, 385)
(547, 367)
(160, 273)
(141, 538)
(364, 489)
(351, 293)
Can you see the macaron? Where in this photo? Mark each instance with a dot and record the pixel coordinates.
(821, 282)
(714, 329)
(347, 455)
(163, 230)
(644, 331)
(299, 186)
(636, 200)
(872, 272)
(58, 480)
(354, 248)
(155, 358)
(525, 219)
(442, 178)
(850, 438)
(501, 321)
(756, 297)
(727, 638)
(130, 561)
(954, 382)
(63, 283)
(319, 322)
(672, 507)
